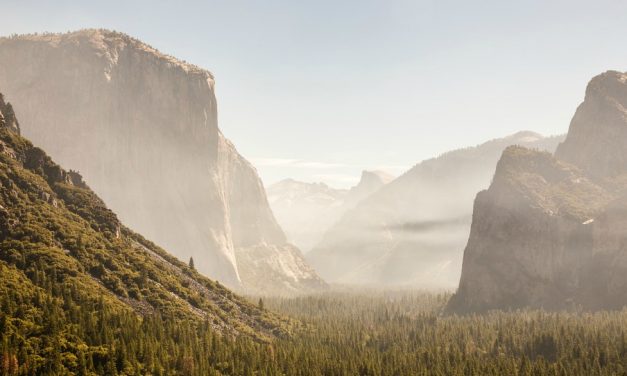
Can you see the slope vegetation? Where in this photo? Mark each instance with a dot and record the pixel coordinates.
(81, 292)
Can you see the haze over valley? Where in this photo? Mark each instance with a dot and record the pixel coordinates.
(412, 188)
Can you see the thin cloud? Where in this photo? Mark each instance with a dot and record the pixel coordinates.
(288, 162)
(339, 178)
(392, 168)
(292, 162)
(269, 162)
(319, 165)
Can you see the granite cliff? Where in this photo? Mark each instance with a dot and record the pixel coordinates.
(550, 231)
(142, 128)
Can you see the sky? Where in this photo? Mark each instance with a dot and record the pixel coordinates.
(321, 90)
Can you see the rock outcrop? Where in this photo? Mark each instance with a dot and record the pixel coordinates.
(551, 232)
(597, 137)
(142, 128)
(413, 230)
(7, 116)
(307, 210)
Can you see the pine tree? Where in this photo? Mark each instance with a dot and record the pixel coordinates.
(191, 263)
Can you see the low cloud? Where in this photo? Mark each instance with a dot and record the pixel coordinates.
(269, 162)
(430, 225)
(395, 169)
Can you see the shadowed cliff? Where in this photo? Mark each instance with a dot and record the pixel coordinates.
(551, 231)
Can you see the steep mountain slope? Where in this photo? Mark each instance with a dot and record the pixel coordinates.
(306, 210)
(413, 230)
(551, 231)
(66, 258)
(142, 127)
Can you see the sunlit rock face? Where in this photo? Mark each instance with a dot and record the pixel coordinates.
(412, 231)
(142, 128)
(551, 232)
(597, 137)
(306, 210)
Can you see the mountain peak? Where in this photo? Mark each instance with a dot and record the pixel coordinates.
(372, 180)
(608, 84)
(597, 136)
(525, 136)
(369, 183)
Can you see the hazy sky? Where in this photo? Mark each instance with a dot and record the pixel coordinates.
(319, 90)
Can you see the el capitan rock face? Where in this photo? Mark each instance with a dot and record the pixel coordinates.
(551, 232)
(142, 128)
(412, 231)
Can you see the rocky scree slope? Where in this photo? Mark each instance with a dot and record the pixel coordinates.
(142, 128)
(551, 231)
(412, 231)
(54, 228)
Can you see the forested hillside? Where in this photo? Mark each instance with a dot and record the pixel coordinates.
(81, 293)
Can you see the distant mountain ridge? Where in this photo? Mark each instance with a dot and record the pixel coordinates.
(412, 231)
(142, 127)
(550, 231)
(306, 210)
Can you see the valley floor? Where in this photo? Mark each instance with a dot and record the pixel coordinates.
(340, 333)
(406, 333)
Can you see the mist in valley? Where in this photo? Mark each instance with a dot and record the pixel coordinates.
(313, 189)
